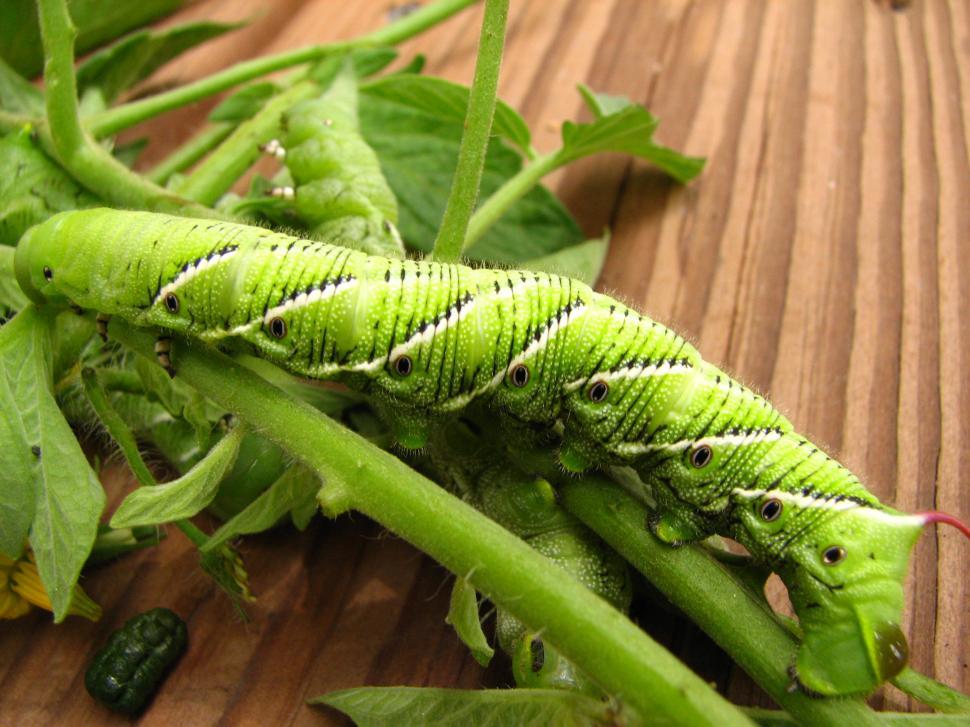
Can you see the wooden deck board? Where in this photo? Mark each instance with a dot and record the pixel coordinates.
(823, 257)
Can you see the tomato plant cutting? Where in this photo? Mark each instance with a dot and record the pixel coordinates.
(395, 318)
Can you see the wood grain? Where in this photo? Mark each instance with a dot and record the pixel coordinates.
(823, 257)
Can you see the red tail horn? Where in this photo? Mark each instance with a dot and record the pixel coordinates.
(935, 516)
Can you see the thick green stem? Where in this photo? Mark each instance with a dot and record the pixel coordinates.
(87, 161)
(474, 140)
(508, 194)
(774, 718)
(189, 153)
(236, 154)
(611, 649)
(931, 692)
(113, 120)
(740, 622)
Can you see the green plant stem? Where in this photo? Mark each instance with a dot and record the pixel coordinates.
(931, 692)
(10, 121)
(189, 153)
(474, 141)
(113, 120)
(220, 170)
(775, 718)
(87, 161)
(508, 194)
(739, 621)
(611, 649)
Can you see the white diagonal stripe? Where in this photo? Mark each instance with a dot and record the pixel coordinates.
(633, 371)
(798, 500)
(299, 301)
(740, 439)
(191, 271)
(576, 311)
(427, 334)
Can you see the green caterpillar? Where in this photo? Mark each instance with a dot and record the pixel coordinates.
(527, 507)
(339, 190)
(424, 340)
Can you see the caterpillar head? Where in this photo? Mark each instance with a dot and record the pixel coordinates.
(38, 267)
(845, 575)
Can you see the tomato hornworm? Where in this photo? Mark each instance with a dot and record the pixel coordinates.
(424, 340)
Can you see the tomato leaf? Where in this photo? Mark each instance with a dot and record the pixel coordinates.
(185, 496)
(138, 55)
(293, 489)
(463, 616)
(373, 706)
(47, 485)
(623, 126)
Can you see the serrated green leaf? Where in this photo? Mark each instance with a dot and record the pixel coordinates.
(418, 152)
(448, 101)
(12, 297)
(45, 478)
(183, 497)
(294, 488)
(463, 616)
(625, 127)
(96, 21)
(33, 187)
(17, 94)
(245, 102)
(582, 262)
(387, 706)
(138, 55)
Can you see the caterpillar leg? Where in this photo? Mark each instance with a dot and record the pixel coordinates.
(411, 428)
(673, 529)
(273, 148)
(101, 323)
(163, 350)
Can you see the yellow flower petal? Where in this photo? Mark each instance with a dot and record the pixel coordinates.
(12, 605)
(27, 584)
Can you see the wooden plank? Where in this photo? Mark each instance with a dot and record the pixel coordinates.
(823, 257)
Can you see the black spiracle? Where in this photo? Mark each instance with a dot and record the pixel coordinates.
(127, 671)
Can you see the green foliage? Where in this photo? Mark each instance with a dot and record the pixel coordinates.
(33, 187)
(97, 22)
(17, 94)
(623, 126)
(185, 496)
(294, 492)
(418, 146)
(245, 102)
(583, 261)
(49, 491)
(448, 101)
(463, 616)
(138, 55)
(381, 706)
(12, 297)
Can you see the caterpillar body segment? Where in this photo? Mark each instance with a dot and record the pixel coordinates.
(339, 189)
(426, 340)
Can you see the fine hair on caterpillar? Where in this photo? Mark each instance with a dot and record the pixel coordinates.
(425, 340)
